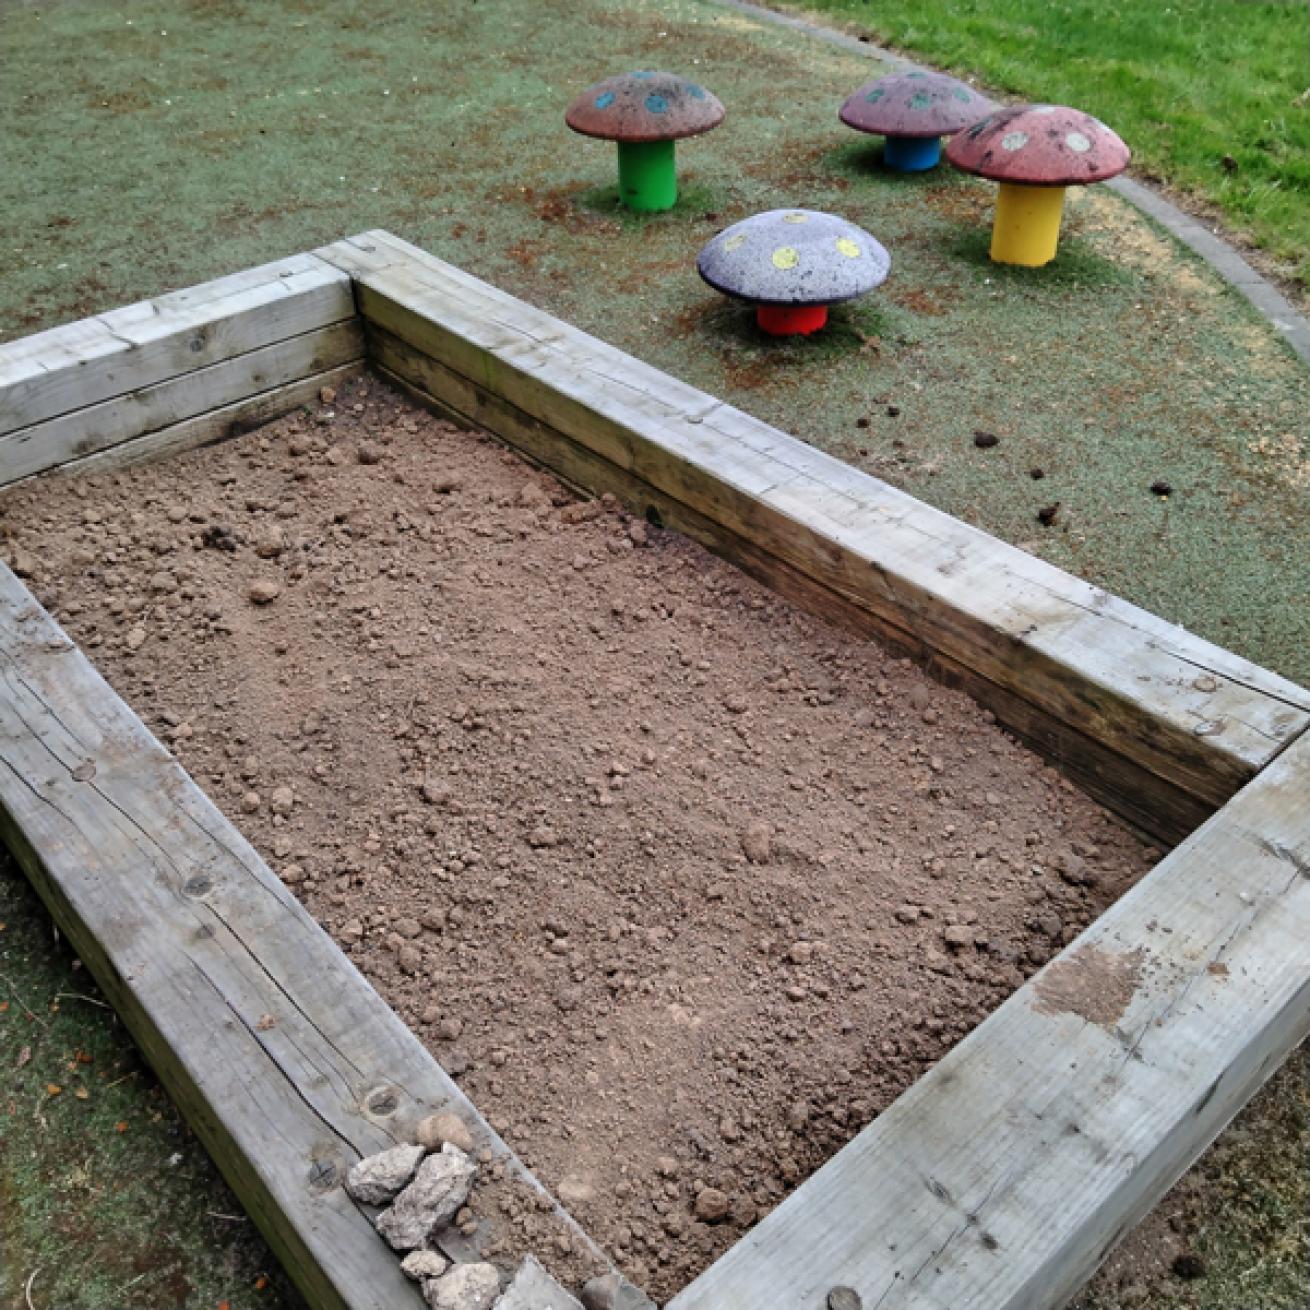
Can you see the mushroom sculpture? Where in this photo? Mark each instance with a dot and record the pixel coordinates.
(1035, 152)
(645, 112)
(913, 111)
(793, 264)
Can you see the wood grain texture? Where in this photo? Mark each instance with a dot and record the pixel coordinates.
(287, 1064)
(216, 425)
(1060, 661)
(1003, 1177)
(138, 414)
(84, 363)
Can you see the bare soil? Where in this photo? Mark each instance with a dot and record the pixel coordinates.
(682, 885)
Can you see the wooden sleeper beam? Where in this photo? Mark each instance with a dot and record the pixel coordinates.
(1155, 722)
(285, 1061)
(1005, 1175)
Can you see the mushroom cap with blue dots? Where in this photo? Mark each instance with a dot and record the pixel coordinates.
(1039, 145)
(914, 104)
(644, 106)
(794, 257)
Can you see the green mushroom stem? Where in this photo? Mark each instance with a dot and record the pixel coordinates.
(648, 177)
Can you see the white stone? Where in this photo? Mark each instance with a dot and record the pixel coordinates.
(376, 1179)
(614, 1292)
(465, 1287)
(440, 1187)
(424, 1264)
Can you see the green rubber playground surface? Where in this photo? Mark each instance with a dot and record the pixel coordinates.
(152, 146)
(107, 1202)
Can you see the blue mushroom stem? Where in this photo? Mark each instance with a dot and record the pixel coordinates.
(911, 154)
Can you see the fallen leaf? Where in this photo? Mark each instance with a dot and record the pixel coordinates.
(121, 1126)
(53, 1089)
(261, 1282)
(83, 1058)
(82, 1094)
(4, 1005)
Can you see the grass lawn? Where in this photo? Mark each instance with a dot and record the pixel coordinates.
(1212, 95)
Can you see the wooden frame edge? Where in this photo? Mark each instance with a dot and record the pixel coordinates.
(284, 1059)
(1006, 1174)
(951, 1194)
(164, 373)
(1160, 725)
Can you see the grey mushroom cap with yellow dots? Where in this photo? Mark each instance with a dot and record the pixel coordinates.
(794, 257)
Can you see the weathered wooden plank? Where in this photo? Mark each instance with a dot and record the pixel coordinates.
(1059, 660)
(139, 413)
(84, 363)
(285, 1061)
(1104, 774)
(216, 425)
(1003, 1177)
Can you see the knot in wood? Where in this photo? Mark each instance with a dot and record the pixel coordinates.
(381, 1101)
(323, 1175)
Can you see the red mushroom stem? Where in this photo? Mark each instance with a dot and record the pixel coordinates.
(790, 320)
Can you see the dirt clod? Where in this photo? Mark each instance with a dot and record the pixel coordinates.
(712, 1205)
(757, 841)
(436, 1130)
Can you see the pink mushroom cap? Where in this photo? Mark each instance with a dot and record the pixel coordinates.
(914, 104)
(644, 106)
(1039, 145)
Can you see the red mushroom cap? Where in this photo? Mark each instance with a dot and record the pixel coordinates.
(644, 106)
(1039, 145)
(915, 104)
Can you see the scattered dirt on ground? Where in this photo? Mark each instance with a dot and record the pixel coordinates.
(1139, 245)
(931, 302)
(683, 886)
(960, 204)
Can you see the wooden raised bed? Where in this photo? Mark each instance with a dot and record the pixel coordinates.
(1004, 1175)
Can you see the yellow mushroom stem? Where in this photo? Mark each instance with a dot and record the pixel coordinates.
(1026, 229)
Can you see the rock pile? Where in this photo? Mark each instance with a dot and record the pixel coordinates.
(423, 1188)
